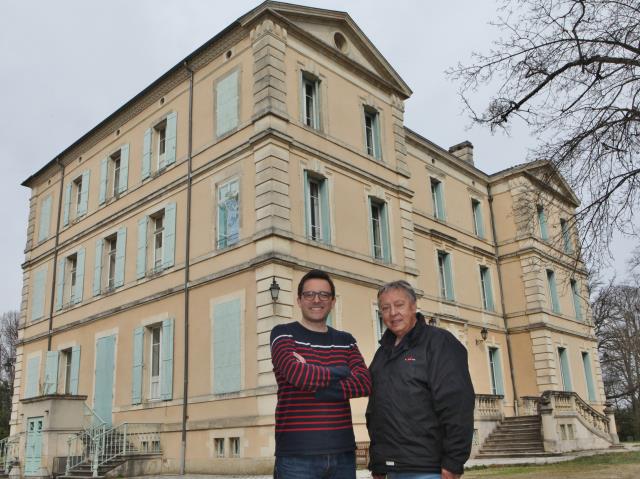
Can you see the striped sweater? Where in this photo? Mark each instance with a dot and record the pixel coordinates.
(313, 415)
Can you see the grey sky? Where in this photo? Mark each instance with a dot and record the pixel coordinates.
(66, 65)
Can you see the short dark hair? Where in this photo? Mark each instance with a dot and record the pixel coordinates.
(316, 274)
(402, 285)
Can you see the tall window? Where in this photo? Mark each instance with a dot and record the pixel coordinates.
(372, 132)
(542, 223)
(379, 230)
(161, 135)
(487, 290)
(234, 446)
(156, 333)
(317, 208)
(70, 279)
(577, 300)
(72, 268)
(159, 146)
(495, 368)
(310, 103)
(66, 358)
(380, 327)
(566, 236)
(115, 173)
(591, 390)
(478, 224)
(565, 375)
(218, 444)
(437, 198)
(445, 275)
(76, 197)
(158, 240)
(228, 213)
(553, 291)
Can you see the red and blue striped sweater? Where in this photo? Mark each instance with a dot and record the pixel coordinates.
(317, 374)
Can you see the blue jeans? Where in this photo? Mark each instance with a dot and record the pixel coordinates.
(324, 466)
(412, 475)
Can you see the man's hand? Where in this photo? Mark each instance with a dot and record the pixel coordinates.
(299, 358)
(449, 475)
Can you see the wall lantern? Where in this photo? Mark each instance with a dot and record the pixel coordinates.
(274, 289)
(484, 332)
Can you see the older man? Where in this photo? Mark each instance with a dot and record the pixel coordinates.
(420, 413)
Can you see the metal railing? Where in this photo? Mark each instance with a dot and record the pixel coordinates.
(9, 447)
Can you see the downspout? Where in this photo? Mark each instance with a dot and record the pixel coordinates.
(55, 255)
(185, 391)
(504, 314)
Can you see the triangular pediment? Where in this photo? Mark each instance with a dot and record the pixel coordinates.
(338, 33)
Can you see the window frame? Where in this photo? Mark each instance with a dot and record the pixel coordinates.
(445, 275)
(486, 289)
(552, 287)
(372, 132)
(157, 234)
(224, 239)
(478, 225)
(312, 82)
(437, 198)
(543, 229)
(155, 349)
(565, 231)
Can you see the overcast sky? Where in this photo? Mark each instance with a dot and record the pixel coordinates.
(67, 64)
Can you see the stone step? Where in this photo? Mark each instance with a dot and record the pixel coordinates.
(506, 455)
(535, 436)
(514, 447)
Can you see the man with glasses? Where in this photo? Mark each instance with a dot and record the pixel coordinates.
(318, 369)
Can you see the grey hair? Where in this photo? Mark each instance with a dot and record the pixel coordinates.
(400, 284)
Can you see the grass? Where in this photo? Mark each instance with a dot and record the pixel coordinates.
(580, 464)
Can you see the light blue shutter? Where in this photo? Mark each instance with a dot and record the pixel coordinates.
(226, 347)
(564, 365)
(33, 373)
(51, 373)
(84, 194)
(170, 143)
(67, 204)
(227, 104)
(497, 365)
(75, 370)
(307, 206)
(121, 246)
(222, 218)
(169, 240)
(577, 301)
(376, 137)
(141, 258)
(97, 269)
(124, 169)
(104, 178)
(136, 380)
(77, 293)
(232, 214)
(45, 219)
(442, 214)
(542, 220)
(477, 209)
(488, 288)
(591, 391)
(371, 236)
(448, 277)
(166, 352)
(324, 211)
(553, 291)
(386, 237)
(146, 154)
(37, 300)
(60, 283)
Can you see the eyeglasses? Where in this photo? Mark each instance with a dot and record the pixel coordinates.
(311, 295)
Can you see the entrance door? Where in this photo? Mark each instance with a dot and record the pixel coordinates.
(103, 393)
(33, 448)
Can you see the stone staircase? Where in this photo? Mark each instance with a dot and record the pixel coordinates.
(514, 437)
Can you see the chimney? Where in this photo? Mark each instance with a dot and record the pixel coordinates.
(464, 151)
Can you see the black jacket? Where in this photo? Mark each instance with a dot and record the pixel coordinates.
(420, 413)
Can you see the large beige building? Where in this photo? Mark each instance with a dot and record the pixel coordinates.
(276, 147)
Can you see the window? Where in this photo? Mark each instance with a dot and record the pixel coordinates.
(37, 296)
(65, 371)
(228, 213)
(154, 342)
(234, 446)
(227, 347)
(565, 376)
(445, 276)
(310, 100)
(553, 291)
(114, 174)
(32, 385)
(317, 208)
(218, 444)
(577, 300)
(380, 327)
(478, 223)
(62, 371)
(70, 279)
(45, 219)
(372, 132)
(76, 198)
(586, 362)
(156, 241)
(155, 333)
(566, 236)
(437, 197)
(109, 267)
(542, 223)
(227, 103)
(495, 367)
(487, 290)
(159, 146)
(379, 230)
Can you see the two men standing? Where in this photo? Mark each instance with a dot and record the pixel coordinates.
(420, 413)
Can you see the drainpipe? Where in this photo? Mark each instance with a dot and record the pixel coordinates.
(55, 255)
(185, 391)
(504, 314)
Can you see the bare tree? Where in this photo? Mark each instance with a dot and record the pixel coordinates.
(9, 324)
(616, 313)
(570, 69)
